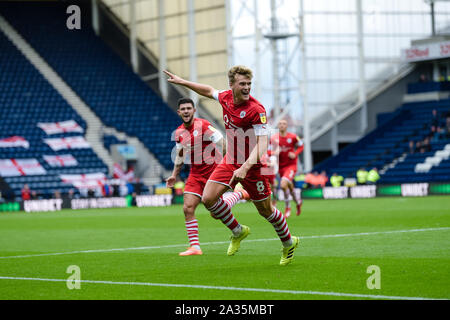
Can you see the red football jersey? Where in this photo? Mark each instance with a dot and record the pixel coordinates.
(199, 141)
(287, 144)
(243, 123)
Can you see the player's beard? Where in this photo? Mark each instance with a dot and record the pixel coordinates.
(189, 122)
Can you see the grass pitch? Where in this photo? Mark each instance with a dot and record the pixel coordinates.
(133, 253)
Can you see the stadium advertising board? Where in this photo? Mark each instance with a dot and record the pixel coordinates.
(415, 189)
(335, 192)
(9, 206)
(372, 191)
(341, 192)
(389, 190)
(363, 191)
(154, 200)
(114, 202)
(440, 188)
(42, 205)
(429, 51)
(89, 203)
(405, 190)
(297, 191)
(312, 193)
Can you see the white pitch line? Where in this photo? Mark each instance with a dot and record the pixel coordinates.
(222, 242)
(149, 284)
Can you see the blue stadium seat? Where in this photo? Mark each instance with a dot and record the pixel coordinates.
(411, 121)
(27, 98)
(108, 85)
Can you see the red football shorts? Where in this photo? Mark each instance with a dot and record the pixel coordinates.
(271, 179)
(288, 172)
(195, 184)
(256, 184)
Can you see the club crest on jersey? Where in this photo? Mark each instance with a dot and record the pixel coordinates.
(195, 133)
(289, 140)
(242, 114)
(263, 118)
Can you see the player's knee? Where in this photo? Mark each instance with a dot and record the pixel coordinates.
(264, 208)
(284, 184)
(265, 211)
(188, 210)
(208, 201)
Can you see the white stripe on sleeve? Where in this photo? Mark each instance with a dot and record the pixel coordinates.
(216, 95)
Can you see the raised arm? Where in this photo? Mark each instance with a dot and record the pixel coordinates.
(299, 145)
(202, 89)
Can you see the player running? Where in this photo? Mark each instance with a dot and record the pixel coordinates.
(197, 141)
(287, 146)
(270, 162)
(247, 140)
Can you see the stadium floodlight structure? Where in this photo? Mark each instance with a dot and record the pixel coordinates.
(276, 36)
(432, 14)
(348, 52)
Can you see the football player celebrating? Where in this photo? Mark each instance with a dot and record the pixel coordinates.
(198, 141)
(247, 141)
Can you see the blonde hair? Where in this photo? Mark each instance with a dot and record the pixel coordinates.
(242, 70)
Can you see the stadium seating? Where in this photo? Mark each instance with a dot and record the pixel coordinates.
(109, 140)
(421, 87)
(98, 75)
(26, 98)
(388, 145)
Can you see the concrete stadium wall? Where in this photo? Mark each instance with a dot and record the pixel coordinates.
(210, 38)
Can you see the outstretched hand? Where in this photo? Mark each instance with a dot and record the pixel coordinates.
(172, 77)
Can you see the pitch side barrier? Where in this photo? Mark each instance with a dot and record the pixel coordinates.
(357, 192)
(374, 191)
(156, 200)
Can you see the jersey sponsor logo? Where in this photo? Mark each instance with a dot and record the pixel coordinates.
(263, 118)
(242, 114)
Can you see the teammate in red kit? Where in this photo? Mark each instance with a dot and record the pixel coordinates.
(287, 146)
(197, 141)
(247, 141)
(270, 162)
